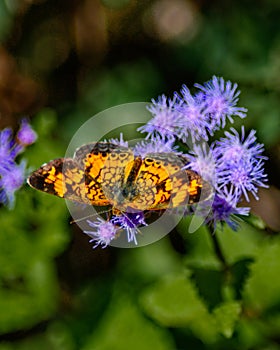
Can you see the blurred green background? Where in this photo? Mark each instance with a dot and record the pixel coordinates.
(63, 61)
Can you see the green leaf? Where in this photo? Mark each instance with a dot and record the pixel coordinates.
(123, 327)
(174, 302)
(262, 289)
(151, 261)
(28, 298)
(256, 221)
(29, 242)
(209, 284)
(226, 315)
(56, 337)
(250, 333)
(239, 273)
(241, 244)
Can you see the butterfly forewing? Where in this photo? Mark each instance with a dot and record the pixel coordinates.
(61, 177)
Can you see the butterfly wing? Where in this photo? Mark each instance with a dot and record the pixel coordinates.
(92, 157)
(103, 174)
(153, 181)
(163, 184)
(95, 168)
(61, 177)
(106, 165)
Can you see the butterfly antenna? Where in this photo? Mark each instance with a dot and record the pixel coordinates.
(90, 216)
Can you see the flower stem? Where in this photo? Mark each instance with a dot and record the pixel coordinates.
(217, 247)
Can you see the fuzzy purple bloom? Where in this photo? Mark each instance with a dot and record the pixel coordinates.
(103, 234)
(26, 135)
(130, 221)
(105, 231)
(193, 120)
(6, 146)
(233, 165)
(12, 175)
(240, 163)
(202, 161)
(237, 148)
(195, 117)
(156, 144)
(10, 181)
(224, 209)
(165, 117)
(220, 99)
(119, 142)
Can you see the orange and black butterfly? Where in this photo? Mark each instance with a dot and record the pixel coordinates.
(102, 174)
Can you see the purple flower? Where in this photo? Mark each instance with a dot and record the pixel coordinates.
(11, 174)
(26, 135)
(237, 148)
(165, 117)
(243, 179)
(233, 165)
(220, 100)
(194, 117)
(194, 121)
(240, 164)
(10, 181)
(224, 209)
(156, 144)
(106, 231)
(6, 145)
(202, 161)
(118, 142)
(130, 221)
(103, 234)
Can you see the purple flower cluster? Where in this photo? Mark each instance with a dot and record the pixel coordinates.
(106, 231)
(12, 174)
(195, 116)
(233, 164)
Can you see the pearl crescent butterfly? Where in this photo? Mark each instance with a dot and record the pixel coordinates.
(102, 174)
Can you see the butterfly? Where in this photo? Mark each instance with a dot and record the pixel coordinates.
(102, 174)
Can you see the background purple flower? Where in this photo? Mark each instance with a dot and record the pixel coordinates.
(12, 175)
(26, 135)
(10, 181)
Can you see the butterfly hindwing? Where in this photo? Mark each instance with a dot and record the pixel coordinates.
(155, 182)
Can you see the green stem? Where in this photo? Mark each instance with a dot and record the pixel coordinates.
(217, 247)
